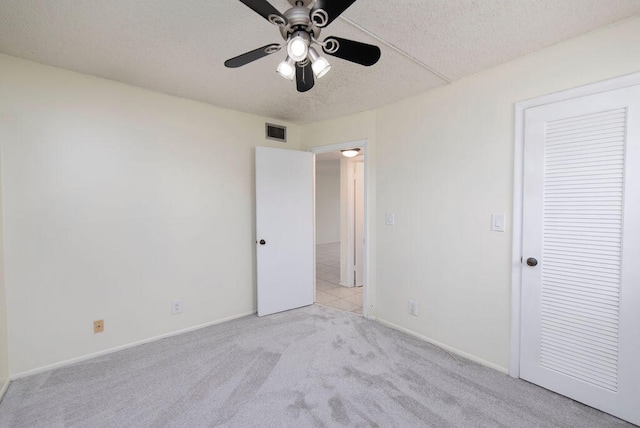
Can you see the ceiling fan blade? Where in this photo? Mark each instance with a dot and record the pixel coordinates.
(267, 11)
(325, 11)
(358, 52)
(304, 77)
(248, 57)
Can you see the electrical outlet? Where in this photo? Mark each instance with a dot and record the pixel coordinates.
(98, 326)
(413, 308)
(176, 307)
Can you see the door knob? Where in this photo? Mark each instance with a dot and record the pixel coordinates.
(531, 261)
(262, 242)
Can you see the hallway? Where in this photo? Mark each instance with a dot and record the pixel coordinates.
(329, 292)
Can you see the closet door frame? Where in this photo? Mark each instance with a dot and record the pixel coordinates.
(518, 180)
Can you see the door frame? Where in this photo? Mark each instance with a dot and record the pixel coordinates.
(348, 219)
(365, 256)
(518, 196)
(357, 270)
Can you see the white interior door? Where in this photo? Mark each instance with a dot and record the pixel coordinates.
(284, 228)
(580, 331)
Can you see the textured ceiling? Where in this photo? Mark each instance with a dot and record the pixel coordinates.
(179, 47)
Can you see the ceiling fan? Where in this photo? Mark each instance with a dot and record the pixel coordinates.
(300, 27)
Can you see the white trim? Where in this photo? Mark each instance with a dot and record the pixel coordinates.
(127, 346)
(355, 223)
(518, 179)
(516, 247)
(443, 346)
(351, 222)
(350, 215)
(365, 253)
(4, 388)
(344, 222)
(339, 146)
(313, 215)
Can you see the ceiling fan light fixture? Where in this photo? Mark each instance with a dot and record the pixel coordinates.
(298, 46)
(300, 27)
(349, 153)
(319, 64)
(287, 69)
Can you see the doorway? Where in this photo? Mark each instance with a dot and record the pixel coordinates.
(577, 203)
(340, 222)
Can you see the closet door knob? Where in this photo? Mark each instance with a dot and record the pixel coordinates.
(532, 262)
(262, 242)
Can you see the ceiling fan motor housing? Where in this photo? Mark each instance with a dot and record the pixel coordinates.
(299, 20)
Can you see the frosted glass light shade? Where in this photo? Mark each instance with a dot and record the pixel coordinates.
(319, 64)
(298, 48)
(287, 69)
(349, 153)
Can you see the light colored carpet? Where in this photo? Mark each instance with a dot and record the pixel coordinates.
(314, 366)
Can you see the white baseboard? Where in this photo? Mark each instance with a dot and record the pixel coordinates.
(120, 348)
(445, 347)
(4, 388)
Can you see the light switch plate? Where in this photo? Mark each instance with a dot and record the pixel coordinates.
(497, 222)
(391, 218)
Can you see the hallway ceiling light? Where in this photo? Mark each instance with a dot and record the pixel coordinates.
(349, 153)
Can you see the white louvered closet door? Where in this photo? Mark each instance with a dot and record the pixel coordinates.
(580, 308)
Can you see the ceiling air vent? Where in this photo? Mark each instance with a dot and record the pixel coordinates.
(276, 132)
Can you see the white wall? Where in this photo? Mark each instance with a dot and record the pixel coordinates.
(443, 164)
(327, 201)
(116, 201)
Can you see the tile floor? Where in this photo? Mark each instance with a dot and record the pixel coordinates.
(329, 292)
